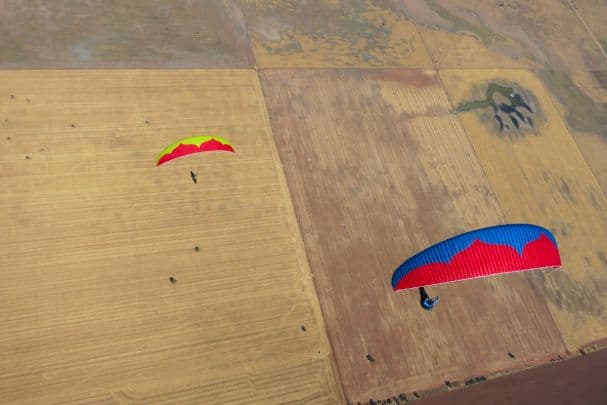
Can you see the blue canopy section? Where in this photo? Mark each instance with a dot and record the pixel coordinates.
(513, 235)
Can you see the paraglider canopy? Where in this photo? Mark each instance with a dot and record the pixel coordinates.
(195, 144)
(480, 253)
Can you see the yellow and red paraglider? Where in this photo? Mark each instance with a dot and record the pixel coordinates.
(195, 144)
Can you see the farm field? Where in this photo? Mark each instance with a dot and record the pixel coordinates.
(363, 132)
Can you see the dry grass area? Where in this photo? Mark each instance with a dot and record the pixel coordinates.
(327, 33)
(564, 42)
(91, 231)
(592, 13)
(540, 176)
(582, 102)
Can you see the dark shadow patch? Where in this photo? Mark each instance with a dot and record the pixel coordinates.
(563, 229)
(601, 75)
(398, 400)
(595, 201)
(475, 380)
(513, 111)
(565, 190)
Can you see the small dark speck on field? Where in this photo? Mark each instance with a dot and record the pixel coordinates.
(27, 157)
(73, 125)
(511, 355)
(303, 328)
(197, 248)
(370, 358)
(12, 96)
(173, 280)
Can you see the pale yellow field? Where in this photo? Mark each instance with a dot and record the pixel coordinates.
(592, 144)
(542, 178)
(594, 148)
(91, 231)
(449, 49)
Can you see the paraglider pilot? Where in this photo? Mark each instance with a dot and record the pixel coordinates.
(425, 300)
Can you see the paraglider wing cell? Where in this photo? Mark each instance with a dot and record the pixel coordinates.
(480, 253)
(191, 145)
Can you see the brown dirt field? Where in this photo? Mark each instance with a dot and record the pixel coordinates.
(379, 168)
(117, 34)
(576, 381)
(91, 231)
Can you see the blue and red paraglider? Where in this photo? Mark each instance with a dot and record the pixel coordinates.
(480, 253)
